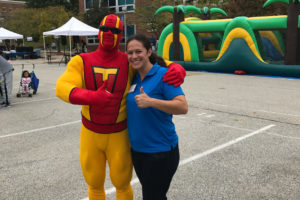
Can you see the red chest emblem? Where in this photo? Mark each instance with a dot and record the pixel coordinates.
(98, 69)
(102, 74)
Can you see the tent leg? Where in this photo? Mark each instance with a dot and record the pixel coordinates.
(70, 46)
(45, 53)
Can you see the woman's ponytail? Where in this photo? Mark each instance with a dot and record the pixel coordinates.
(154, 58)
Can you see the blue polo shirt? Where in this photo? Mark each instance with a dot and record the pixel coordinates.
(151, 130)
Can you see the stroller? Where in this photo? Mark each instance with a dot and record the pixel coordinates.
(28, 84)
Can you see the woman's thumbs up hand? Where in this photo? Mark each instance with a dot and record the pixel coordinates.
(142, 90)
(143, 100)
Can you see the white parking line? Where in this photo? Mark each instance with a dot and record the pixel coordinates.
(205, 153)
(39, 129)
(222, 146)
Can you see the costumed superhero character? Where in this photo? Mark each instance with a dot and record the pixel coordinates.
(99, 81)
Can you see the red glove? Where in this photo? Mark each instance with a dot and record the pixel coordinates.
(175, 75)
(100, 97)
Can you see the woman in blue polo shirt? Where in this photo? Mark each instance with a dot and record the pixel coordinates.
(150, 106)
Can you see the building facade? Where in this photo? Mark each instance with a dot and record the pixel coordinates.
(7, 6)
(125, 10)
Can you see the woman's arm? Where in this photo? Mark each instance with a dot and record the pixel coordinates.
(176, 106)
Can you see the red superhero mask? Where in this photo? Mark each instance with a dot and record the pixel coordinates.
(110, 32)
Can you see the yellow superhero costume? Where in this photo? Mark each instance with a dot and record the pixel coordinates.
(99, 81)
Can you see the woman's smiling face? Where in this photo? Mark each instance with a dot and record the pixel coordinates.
(138, 56)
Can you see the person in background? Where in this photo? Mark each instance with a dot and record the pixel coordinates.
(83, 46)
(150, 106)
(7, 45)
(77, 48)
(153, 47)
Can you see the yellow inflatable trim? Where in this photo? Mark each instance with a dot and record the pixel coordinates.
(271, 36)
(184, 43)
(210, 53)
(239, 33)
(267, 17)
(207, 21)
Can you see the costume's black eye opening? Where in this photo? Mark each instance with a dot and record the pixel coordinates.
(115, 30)
(104, 28)
(112, 29)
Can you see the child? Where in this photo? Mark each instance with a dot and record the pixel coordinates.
(26, 80)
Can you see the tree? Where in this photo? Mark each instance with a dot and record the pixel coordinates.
(48, 22)
(73, 6)
(25, 22)
(94, 15)
(235, 8)
(33, 22)
(210, 3)
(292, 35)
(70, 5)
(144, 16)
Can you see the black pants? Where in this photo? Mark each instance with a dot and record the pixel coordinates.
(155, 172)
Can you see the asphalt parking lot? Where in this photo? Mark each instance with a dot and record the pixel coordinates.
(239, 141)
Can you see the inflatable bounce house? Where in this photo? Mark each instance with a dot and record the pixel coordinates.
(266, 45)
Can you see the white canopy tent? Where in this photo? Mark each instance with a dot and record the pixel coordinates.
(73, 27)
(9, 35)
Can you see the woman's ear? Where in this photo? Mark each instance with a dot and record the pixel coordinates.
(149, 52)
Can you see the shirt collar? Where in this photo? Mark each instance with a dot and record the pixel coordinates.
(153, 70)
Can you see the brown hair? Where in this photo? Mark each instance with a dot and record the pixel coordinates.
(146, 43)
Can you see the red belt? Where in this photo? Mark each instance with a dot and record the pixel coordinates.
(105, 129)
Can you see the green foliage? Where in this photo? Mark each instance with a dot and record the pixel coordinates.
(48, 22)
(146, 19)
(24, 21)
(94, 15)
(248, 8)
(235, 8)
(209, 3)
(71, 5)
(33, 22)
